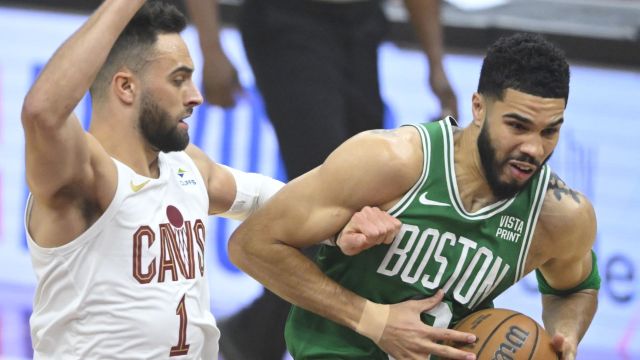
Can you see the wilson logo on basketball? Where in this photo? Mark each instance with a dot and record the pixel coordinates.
(514, 339)
(504, 334)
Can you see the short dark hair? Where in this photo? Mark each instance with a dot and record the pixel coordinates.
(527, 63)
(137, 39)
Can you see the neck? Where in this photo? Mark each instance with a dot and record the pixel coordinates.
(120, 137)
(473, 186)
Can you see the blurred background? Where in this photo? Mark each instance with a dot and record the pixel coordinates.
(599, 150)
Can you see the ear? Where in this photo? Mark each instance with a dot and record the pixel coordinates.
(478, 109)
(124, 86)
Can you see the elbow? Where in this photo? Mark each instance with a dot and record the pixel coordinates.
(32, 111)
(237, 248)
(35, 111)
(251, 248)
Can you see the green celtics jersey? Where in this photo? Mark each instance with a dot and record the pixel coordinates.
(473, 257)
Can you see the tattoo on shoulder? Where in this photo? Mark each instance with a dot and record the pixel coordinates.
(560, 189)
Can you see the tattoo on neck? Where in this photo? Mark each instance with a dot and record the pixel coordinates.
(560, 189)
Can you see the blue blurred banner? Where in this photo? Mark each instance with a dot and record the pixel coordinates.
(598, 153)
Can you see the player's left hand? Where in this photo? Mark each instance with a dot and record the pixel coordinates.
(565, 346)
(367, 228)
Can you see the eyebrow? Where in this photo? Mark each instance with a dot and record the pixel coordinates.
(528, 121)
(182, 68)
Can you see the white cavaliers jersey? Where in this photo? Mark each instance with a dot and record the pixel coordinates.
(132, 286)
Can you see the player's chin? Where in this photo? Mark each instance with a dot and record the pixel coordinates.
(181, 141)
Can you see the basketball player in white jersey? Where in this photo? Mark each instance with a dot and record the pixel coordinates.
(116, 217)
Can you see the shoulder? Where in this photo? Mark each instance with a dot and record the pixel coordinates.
(375, 166)
(567, 217)
(202, 161)
(397, 148)
(565, 204)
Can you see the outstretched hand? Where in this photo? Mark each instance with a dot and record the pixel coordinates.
(367, 228)
(566, 346)
(407, 337)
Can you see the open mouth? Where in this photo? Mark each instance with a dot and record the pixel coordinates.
(522, 170)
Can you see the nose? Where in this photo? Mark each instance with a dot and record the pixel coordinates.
(533, 146)
(193, 97)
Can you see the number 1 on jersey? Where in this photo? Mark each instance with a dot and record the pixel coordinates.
(182, 348)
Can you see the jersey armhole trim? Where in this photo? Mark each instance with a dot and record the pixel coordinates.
(406, 200)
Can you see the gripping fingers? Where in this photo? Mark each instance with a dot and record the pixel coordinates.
(449, 352)
(386, 226)
(393, 228)
(453, 335)
(430, 302)
(366, 228)
(353, 243)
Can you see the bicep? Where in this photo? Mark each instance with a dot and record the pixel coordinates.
(220, 184)
(574, 239)
(563, 274)
(304, 212)
(221, 189)
(370, 169)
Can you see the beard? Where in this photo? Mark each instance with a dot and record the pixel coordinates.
(493, 166)
(159, 129)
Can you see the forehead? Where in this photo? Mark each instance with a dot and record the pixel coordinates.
(170, 51)
(530, 106)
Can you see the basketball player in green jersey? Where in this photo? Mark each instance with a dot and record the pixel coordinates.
(479, 210)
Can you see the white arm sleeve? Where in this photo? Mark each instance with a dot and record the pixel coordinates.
(252, 191)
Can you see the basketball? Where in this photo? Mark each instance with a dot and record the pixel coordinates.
(505, 334)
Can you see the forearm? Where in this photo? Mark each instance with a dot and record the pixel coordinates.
(425, 19)
(68, 74)
(288, 273)
(205, 16)
(569, 315)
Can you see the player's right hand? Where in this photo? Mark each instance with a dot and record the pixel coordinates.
(407, 337)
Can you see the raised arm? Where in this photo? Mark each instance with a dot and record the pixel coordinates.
(570, 279)
(64, 164)
(370, 169)
(220, 78)
(425, 18)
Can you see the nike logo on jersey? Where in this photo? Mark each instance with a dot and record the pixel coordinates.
(424, 201)
(136, 188)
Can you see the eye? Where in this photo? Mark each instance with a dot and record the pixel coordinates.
(550, 131)
(517, 126)
(178, 80)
